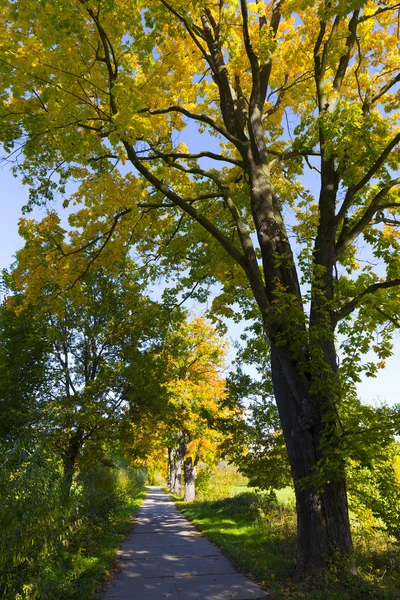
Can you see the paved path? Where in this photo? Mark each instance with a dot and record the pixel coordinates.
(166, 557)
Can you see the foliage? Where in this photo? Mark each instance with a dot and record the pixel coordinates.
(283, 90)
(24, 349)
(49, 551)
(177, 391)
(374, 490)
(254, 440)
(217, 483)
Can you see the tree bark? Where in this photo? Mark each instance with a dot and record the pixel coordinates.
(175, 470)
(303, 366)
(69, 458)
(189, 476)
(169, 481)
(322, 515)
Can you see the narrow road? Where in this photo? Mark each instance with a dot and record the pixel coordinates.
(166, 557)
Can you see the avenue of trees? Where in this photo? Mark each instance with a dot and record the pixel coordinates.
(94, 387)
(244, 149)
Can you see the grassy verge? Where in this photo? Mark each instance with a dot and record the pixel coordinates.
(81, 572)
(259, 535)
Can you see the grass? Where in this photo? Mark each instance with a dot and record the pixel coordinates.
(80, 574)
(259, 535)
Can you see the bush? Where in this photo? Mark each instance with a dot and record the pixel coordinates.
(374, 494)
(33, 526)
(106, 490)
(218, 483)
(47, 546)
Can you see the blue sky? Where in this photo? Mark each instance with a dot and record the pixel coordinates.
(14, 195)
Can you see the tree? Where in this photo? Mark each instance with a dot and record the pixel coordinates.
(90, 333)
(23, 357)
(176, 397)
(285, 88)
(196, 390)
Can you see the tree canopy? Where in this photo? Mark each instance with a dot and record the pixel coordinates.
(104, 93)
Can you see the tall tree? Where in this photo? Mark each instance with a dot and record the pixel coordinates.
(284, 87)
(176, 395)
(90, 334)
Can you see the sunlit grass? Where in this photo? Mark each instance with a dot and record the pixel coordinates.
(260, 539)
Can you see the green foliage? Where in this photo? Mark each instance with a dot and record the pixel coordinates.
(104, 491)
(254, 440)
(24, 346)
(50, 550)
(33, 525)
(218, 483)
(374, 493)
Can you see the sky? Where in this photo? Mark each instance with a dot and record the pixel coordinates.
(13, 195)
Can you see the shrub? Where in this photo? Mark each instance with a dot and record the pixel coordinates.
(218, 483)
(47, 546)
(33, 526)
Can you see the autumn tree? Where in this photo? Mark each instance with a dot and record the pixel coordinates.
(176, 396)
(272, 90)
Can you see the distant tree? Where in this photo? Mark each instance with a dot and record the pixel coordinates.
(177, 396)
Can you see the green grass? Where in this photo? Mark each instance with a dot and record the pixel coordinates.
(260, 538)
(81, 573)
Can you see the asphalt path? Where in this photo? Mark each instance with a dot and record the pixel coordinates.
(166, 557)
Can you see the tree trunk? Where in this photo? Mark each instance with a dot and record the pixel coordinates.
(175, 469)
(69, 458)
(169, 481)
(322, 516)
(189, 476)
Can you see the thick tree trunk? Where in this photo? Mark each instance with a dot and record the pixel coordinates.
(189, 476)
(322, 516)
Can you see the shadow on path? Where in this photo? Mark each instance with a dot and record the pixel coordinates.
(166, 557)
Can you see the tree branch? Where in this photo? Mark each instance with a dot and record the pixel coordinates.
(266, 67)
(345, 59)
(371, 99)
(348, 308)
(379, 11)
(352, 190)
(188, 29)
(203, 154)
(187, 208)
(195, 117)
(346, 237)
